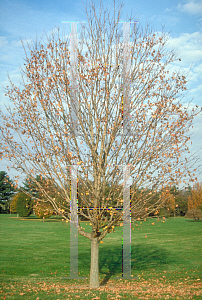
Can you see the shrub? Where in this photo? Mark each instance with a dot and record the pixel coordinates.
(195, 214)
(43, 210)
(164, 212)
(24, 205)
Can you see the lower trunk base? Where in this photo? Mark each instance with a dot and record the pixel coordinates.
(94, 270)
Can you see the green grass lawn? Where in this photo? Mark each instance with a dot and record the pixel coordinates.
(35, 255)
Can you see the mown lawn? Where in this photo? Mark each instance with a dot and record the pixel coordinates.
(167, 256)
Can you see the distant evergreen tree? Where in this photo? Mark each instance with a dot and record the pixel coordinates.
(31, 187)
(6, 191)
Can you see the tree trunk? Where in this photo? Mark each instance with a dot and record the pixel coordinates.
(94, 270)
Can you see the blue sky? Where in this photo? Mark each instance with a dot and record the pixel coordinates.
(23, 19)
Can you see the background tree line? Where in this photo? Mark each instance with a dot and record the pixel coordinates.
(179, 202)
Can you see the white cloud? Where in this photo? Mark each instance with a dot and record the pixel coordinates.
(192, 7)
(3, 41)
(189, 48)
(189, 45)
(198, 69)
(19, 43)
(198, 89)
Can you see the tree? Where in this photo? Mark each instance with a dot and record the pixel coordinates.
(56, 131)
(195, 202)
(24, 205)
(181, 200)
(169, 202)
(30, 186)
(6, 191)
(195, 214)
(195, 199)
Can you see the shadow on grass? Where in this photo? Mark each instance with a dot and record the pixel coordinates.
(51, 220)
(142, 258)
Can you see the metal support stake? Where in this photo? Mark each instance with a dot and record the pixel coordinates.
(126, 79)
(74, 119)
(74, 63)
(126, 246)
(74, 227)
(126, 224)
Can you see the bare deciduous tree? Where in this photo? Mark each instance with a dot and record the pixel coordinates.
(38, 135)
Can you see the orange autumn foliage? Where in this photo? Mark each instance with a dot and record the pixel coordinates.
(43, 210)
(13, 204)
(195, 200)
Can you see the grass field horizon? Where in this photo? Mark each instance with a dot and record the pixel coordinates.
(165, 255)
